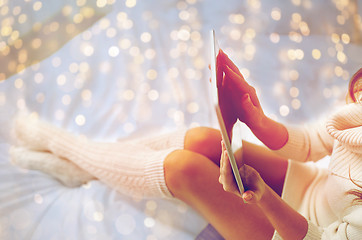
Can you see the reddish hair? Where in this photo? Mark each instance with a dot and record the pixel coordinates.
(352, 93)
(352, 83)
(355, 192)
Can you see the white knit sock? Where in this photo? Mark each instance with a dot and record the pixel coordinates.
(160, 141)
(130, 168)
(61, 169)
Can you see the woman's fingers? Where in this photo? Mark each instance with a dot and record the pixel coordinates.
(254, 183)
(237, 87)
(237, 80)
(226, 175)
(248, 196)
(227, 61)
(219, 72)
(247, 104)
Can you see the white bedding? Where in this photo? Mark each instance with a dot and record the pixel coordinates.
(141, 67)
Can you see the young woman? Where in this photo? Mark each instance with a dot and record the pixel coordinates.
(186, 165)
(318, 204)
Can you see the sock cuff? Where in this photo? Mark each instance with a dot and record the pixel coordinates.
(179, 138)
(155, 174)
(174, 139)
(155, 170)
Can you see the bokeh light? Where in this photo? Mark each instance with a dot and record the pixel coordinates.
(112, 69)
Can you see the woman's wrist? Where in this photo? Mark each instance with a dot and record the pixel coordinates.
(265, 198)
(258, 124)
(286, 221)
(273, 134)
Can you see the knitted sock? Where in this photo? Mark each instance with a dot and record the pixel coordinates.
(161, 141)
(130, 168)
(61, 169)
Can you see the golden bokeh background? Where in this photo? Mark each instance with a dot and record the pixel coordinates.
(114, 69)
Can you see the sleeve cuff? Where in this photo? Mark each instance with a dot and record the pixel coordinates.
(296, 147)
(314, 233)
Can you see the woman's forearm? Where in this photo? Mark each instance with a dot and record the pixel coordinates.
(273, 134)
(287, 222)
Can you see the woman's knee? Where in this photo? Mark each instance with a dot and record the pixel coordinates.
(183, 169)
(197, 138)
(205, 141)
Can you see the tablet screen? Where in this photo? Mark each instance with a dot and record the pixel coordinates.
(214, 90)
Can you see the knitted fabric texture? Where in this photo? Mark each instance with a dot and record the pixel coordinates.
(346, 127)
(343, 131)
(129, 167)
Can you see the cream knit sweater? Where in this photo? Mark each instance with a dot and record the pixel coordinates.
(342, 139)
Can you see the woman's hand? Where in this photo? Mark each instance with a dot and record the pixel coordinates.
(237, 98)
(288, 222)
(225, 100)
(251, 179)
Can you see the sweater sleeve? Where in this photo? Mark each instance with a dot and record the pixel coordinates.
(348, 228)
(307, 143)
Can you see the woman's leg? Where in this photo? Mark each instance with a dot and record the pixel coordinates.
(189, 174)
(193, 178)
(272, 167)
(205, 141)
(62, 169)
(132, 169)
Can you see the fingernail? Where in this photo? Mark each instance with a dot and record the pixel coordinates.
(247, 196)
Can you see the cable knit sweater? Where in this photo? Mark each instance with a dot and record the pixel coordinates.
(320, 194)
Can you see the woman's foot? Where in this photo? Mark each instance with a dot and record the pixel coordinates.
(61, 169)
(29, 132)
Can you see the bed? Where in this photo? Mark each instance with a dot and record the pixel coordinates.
(122, 69)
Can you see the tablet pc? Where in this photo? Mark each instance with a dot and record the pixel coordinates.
(215, 101)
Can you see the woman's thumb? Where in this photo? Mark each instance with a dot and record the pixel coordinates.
(248, 196)
(247, 103)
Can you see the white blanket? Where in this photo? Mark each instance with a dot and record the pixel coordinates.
(132, 68)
